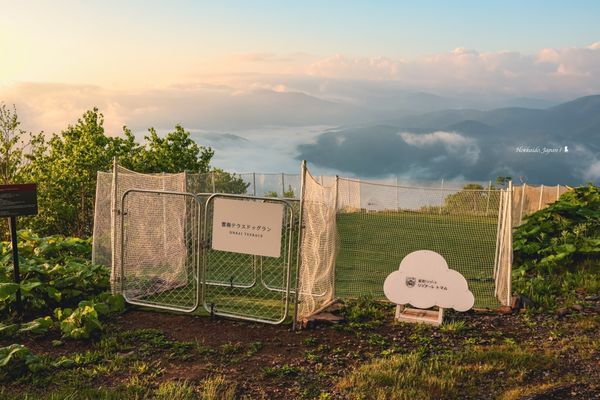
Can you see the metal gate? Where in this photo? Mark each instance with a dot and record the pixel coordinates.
(166, 260)
(244, 285)
(158, 249)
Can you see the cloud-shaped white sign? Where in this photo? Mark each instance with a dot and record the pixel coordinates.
(424, 280)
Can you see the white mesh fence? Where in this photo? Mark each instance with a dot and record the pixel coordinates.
(355, 232)
(107, 221)
(392, 221)
(528, 199)
(102, 235)
(316, 278)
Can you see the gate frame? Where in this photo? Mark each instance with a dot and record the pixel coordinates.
(195, 268)
(204, 259)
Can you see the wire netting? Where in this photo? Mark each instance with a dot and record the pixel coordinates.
(159, 249)
(354, 234)
(393, 221)
(102, 235)
(318, 247)
(528, 199)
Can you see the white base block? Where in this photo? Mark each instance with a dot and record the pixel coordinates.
(417, 315)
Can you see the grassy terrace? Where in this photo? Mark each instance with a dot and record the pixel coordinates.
(372, 245)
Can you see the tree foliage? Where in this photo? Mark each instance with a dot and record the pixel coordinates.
(226, 182)
(12, 144)
(65, 168)
(473, 199)
(176, 152)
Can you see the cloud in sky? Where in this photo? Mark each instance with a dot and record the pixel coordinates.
(371, 82)
(575, 69)
(454, 143)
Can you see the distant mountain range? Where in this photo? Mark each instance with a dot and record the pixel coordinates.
(557, 144)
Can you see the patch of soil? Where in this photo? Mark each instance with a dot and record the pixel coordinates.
(291, 365)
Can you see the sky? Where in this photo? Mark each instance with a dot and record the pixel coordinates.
(230, 66)
(140, 44)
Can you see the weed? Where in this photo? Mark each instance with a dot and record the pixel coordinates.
(174, 391)
(217, 388)
(455, 326)
(376, 339)
(284, 370)
(253, 348)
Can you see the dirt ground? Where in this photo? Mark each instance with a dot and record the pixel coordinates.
(265, 361)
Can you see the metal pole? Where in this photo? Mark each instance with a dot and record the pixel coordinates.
(337, 178)
(300, 234)
(212, 176)
(557, 192)
(541, 194)
(487, 206)
(397, 197)
(254, 183)
(442, 193)
(522, 201)
(498, 233)
(12, 221)
(115, 210)
(282, 185)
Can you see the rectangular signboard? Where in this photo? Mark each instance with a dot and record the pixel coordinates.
(247, 226)
(16, 200)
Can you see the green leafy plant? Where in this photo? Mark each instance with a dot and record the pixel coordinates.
(557, 250)
(55, 272)
(16, 360)
(84, 322)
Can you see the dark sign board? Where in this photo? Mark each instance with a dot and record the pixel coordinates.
(16, 200)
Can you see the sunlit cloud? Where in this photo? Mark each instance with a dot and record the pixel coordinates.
(551, 70)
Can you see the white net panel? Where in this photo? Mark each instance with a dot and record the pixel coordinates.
(318, 247)
(528, 199)
(126, 180)
(503, 257)
(393, 221)
(102, 239)
(109, 193)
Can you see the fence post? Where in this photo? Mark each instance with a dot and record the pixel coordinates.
(442, 193)
(337, 179)
(557, 192)
(509, 245)
(299, 253)
(397, 197)
(487, 206)
(541, 194)
(113, 276)
(522, 201)
(498, 238)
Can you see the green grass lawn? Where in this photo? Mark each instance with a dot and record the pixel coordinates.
(371, 246)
